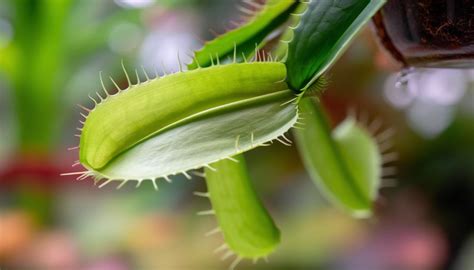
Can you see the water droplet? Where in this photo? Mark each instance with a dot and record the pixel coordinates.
(401, 89)
(404, 77)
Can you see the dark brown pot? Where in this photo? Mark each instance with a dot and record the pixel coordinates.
(428, 33)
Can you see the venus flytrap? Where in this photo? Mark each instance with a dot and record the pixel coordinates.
(212, 113)
(248, 230)
(344, 163)
(185, 121)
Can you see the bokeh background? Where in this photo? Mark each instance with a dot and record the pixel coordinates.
(51, 53)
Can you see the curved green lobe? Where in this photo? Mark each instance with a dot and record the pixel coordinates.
(344, 164)
(145, 110)
(246, 225)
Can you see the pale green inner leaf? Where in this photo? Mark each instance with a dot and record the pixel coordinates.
(207, 140)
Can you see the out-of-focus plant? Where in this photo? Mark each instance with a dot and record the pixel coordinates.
(50, 42)
(236, 97)
(34, 66)
(47, 47)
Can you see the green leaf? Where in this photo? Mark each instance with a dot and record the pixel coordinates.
(324, 32)
(248, 229)
(245, 38)
(345, 164)
(186, 120)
